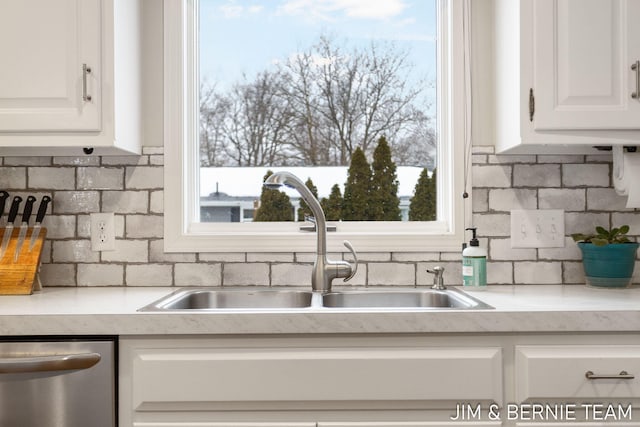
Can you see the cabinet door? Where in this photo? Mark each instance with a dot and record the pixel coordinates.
(583, 52)
(44, 45)
(560, 372)
(293, 378)
(222, 424)
(411, 424)
(293, 382)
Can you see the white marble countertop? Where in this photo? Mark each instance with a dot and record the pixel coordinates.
(521, 308)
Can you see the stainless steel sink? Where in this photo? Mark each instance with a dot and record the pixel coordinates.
(412, 298)
(209, 300)
(201, 299)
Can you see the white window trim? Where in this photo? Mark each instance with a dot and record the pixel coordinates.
(182, 232)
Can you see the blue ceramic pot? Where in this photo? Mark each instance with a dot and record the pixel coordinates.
(609, 266)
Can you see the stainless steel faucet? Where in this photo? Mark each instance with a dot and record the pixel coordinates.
(324, 270)
(438, 279)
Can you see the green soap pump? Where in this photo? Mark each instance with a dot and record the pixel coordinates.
(474, 264)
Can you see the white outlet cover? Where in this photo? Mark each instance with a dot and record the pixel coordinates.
(537, 228)
(103, 233)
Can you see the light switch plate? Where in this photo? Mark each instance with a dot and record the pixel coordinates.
(537, 228)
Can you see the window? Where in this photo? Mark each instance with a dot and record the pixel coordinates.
(198, 217)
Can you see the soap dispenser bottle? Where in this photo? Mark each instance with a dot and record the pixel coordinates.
(474, 264)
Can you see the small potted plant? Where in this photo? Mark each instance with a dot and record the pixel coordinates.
(608, 257)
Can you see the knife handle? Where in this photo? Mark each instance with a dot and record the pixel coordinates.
(3, 200)
(42, 209)
(28, 207)
(13, 211)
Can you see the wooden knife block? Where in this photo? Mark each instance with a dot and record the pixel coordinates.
(18, 277)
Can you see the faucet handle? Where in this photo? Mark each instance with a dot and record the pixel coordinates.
(438, 279)
(354, 267)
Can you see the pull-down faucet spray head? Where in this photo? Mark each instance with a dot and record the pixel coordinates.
(276, 180)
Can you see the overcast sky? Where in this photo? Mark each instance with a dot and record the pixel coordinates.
(247, 36)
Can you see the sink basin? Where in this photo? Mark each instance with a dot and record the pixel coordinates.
(413, 298)
(208, 299)
(199, 299)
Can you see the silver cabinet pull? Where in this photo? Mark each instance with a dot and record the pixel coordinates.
(85, 70)
(623, 375)
(65, 362)
(636, 67)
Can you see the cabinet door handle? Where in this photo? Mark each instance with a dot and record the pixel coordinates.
(623, 375)
(85, 70)
(636, 67)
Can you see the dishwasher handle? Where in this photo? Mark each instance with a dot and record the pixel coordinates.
(62, 362)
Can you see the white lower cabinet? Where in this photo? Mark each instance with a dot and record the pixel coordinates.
(311, 424)
(578, 372)
(223, 424)
(460, 380)
(407, 424)
(590, 385)
(304, 382)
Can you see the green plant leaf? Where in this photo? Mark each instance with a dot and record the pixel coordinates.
(599, 241)
(604, 236)
(579, 237)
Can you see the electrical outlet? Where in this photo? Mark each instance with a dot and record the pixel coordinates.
(537, 228)
(103, 233)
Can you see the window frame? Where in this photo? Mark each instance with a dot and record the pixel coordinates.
(182, 232)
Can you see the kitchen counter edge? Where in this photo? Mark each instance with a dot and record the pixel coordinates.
(517, 309)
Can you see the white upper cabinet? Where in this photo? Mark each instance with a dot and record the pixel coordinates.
(70, 77)
(583, 51)
(564, 77)
(51, 56)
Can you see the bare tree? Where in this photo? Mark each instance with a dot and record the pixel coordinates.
(257, 122)
(361, 94)
(310, 145)
(415, 145)
(213, 110)
(316, 108)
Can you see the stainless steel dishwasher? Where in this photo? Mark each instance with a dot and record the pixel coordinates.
(58, 382)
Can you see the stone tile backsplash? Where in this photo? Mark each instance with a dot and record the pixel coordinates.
(580, 185)
(132, 188)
